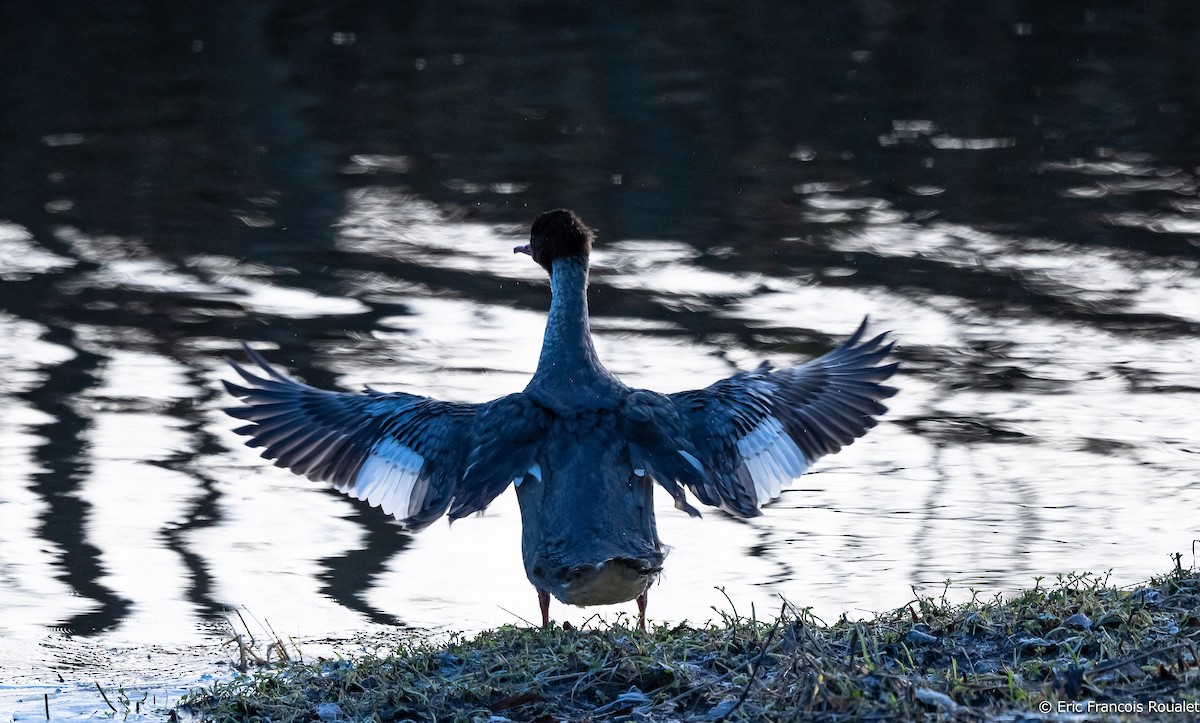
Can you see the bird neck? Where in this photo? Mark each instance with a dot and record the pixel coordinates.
(568, 365)
(568, 339)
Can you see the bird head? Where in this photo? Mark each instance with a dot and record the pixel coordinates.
(557, 234)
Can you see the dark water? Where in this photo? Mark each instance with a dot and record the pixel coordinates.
(1012, 189)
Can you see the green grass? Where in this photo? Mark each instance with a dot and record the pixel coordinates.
(1073, 641)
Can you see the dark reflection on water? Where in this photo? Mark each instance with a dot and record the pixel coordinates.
(1012, 190)
(63, 462)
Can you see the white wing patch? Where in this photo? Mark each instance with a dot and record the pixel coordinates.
(387, 477)
(772, 459)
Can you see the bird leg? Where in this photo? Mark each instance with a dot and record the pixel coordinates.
(641, 601)
(544, 604)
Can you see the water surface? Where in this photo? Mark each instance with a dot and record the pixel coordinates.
(1013, 194)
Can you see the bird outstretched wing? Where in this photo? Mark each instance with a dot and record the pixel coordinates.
(758, 430)
(413, 456)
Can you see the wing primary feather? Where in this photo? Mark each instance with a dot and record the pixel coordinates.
(396, 450)
(758, 430)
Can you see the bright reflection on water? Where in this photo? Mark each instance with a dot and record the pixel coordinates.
(1020, 444)
(1037, 263)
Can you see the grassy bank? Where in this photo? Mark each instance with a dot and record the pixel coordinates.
(1053, 647)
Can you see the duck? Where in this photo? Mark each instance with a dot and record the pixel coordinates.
(583, 450)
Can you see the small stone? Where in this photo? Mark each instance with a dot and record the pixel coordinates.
(1078, 620)
(919, 637)
(934, 699)
(1148, 596)
(329, 711)
(722, 709)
